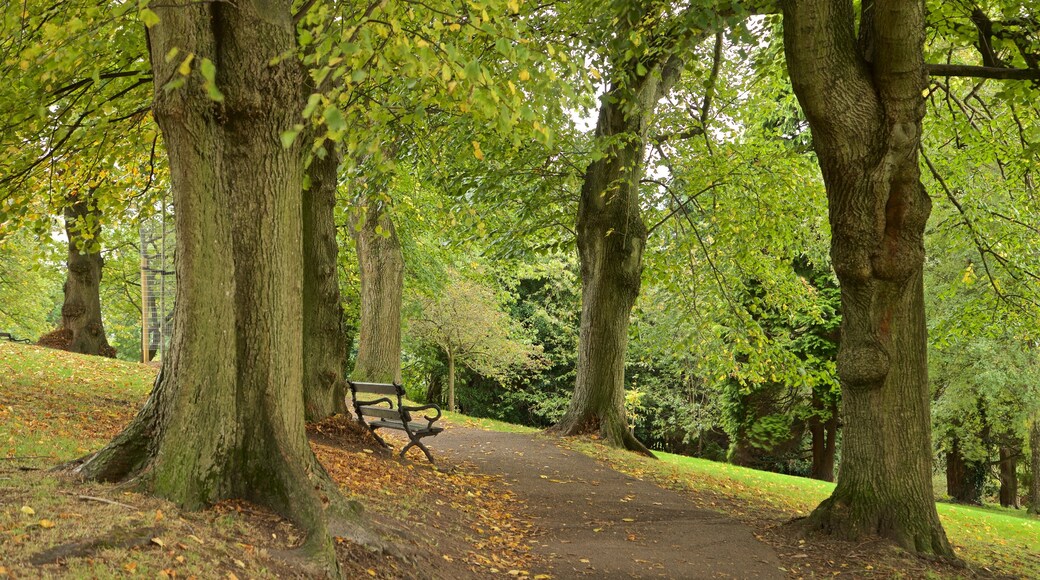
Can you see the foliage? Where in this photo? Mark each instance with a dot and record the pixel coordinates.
(466, 322)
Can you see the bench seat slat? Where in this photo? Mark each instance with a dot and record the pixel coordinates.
(381, 412)
(417, 428)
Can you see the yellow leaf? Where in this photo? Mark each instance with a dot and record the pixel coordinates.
(627, 520)
(371, 572)
(477, 152)
(158, 515)
(524, 75)
(159, 542)
(240, 563)
(46, 524)
(28, 510)
(448, 558)
(130, 566)
(185, 67)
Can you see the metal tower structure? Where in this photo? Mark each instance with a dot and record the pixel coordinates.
(158, 282)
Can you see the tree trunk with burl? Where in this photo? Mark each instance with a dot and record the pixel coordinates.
(81, 309)
(226, 416)
(324, 340)
(864, 100)
(611, 239)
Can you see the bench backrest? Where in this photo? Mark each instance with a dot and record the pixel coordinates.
(377, 388)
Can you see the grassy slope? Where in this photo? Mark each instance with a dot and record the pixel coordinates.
(56, 406)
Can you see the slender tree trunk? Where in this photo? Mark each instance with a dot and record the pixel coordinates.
(964, 478)
(81, 311)
(1034, 467)
(324, 339)
(435, 389)
(226, 417)
(381, 265)
(451, 381)
(611, 239)
(823, 433)
(862, 98)
(1008, 477)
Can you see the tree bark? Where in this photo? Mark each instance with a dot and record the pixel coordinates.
(964, 478)
(81, 310)
(1008, 477)
(1034, 467)
(381, 266)
(863, 100)
(611, 239)
(324, 339)
(226, 417)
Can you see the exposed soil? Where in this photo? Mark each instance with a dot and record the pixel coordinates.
(597, 522)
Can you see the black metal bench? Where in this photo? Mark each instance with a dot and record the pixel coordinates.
(376, 416)
(14, 338)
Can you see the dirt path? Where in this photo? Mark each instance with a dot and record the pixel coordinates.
(600, 523)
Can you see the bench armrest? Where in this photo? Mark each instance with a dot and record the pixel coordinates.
(431, 420)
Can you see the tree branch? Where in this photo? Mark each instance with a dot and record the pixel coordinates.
(983, 72)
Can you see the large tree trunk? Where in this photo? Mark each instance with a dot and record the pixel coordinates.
(863, 100)
(964, 479)
(1034, 467)
(1008, 477)
(324, 339)
(81, 311)
(611, 238)
(226, 417)
(381, 265)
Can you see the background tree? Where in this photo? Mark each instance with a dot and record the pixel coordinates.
(465, 321)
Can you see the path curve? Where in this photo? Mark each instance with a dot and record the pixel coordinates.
(600, 523)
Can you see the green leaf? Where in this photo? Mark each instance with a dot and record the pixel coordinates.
(334, 119)
(148, 17)
(209, 72)
(288, 137)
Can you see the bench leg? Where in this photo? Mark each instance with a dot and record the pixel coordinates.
(418, 444)
(378, 438)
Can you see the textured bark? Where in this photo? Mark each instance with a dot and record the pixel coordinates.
(1034, 467)
(381, 266)
(226, 418)
(1008, 469)
(863, 100)
(964, 479)
(81, 310)
(611, 239)
(324, 339)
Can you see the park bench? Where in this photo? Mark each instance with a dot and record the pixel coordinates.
(382, 413)
(13, 338)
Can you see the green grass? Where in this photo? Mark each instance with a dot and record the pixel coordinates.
(56, 405)
(486, 424)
